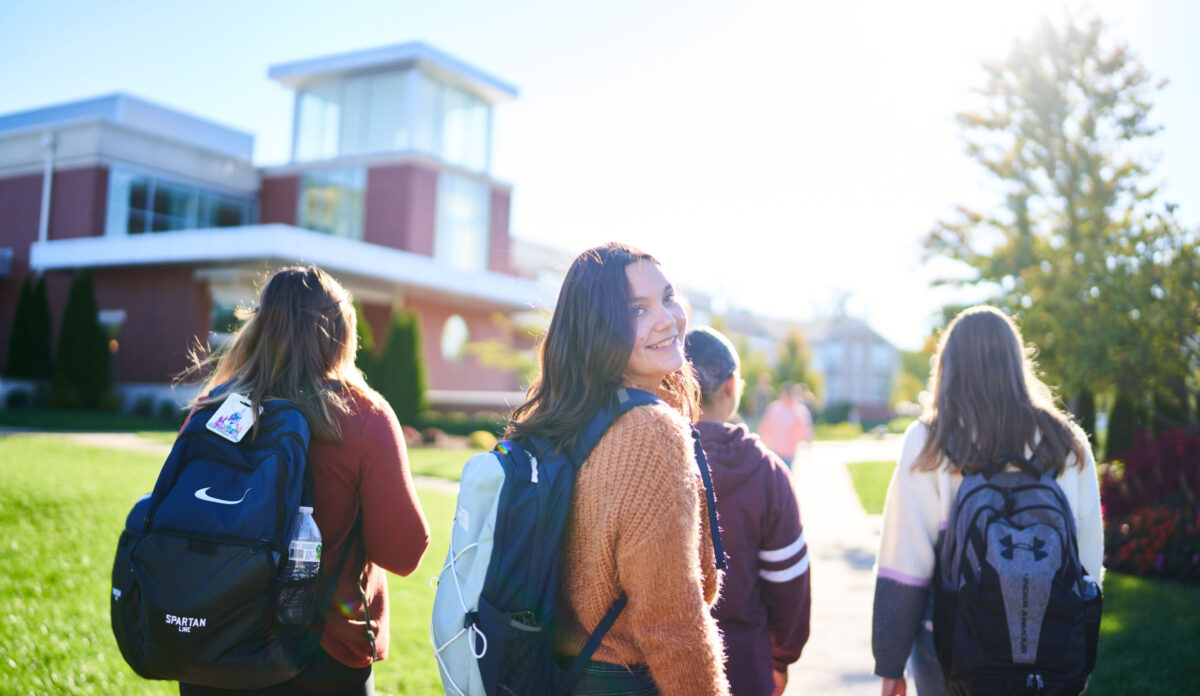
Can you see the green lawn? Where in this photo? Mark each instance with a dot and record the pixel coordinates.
(1148, 635)
(870, 482)
(442, 463)
(62, 506)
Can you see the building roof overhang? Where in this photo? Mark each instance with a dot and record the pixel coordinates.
(301, 73)
(278, 243)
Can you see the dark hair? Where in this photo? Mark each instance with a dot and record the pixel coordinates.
(713, 358)
(988, 402)
(586, 349)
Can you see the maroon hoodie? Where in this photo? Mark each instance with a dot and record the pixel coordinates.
(765, 603)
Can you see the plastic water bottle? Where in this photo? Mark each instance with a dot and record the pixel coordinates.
(298, 602)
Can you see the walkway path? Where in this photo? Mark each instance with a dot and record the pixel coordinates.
(842, 541)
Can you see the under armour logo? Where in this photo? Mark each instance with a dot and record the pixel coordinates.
(1035, 548)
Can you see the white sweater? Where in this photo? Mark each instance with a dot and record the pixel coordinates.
(917, 509)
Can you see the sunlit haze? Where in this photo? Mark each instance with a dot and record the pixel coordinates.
(777, 154)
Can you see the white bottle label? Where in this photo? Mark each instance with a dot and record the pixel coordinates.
(304, 551)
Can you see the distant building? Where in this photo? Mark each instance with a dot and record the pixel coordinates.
(859, 366)
(388, 188)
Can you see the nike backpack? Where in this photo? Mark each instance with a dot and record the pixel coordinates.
(1015, 612)
(495, 609)
(195, 578)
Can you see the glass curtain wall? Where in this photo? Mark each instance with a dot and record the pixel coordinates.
(331, 201)
(139, 203)
(463, 222)
(396, 111)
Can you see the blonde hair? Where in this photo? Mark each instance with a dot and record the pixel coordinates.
(298, 344)
(988, 402)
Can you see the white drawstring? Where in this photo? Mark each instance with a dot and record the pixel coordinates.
(437, 651)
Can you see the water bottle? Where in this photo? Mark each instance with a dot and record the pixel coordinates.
(298, 602)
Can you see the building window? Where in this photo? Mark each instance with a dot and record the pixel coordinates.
(463, 222)
(331, 201)
(139, 203)
(455, 335)
(354, 116)
(394, 111)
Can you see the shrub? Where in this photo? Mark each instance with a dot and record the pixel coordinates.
(29, 341)
(899, 424)
(482, 439)
(432, 436)
(144, 406)
(1156, 540)
(399, 374)
(1151, 471)
(81, 374)
(412, 436)
(18, 398)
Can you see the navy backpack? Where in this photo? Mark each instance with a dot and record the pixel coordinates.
(497, 595)
(194, 584)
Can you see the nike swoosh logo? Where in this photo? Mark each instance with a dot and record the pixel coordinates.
(202, 494)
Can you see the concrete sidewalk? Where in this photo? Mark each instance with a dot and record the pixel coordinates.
(842, 541)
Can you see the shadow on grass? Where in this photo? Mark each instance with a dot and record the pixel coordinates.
(1148, 638)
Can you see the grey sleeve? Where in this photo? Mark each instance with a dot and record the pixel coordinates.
(894, 624)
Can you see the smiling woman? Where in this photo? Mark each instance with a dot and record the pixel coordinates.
(634, 526)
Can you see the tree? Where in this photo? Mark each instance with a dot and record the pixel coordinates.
(793, 364)
(29, 342)
(515, 349)
(365, 358)
(81, 377)
(399, 371)
(1104, 281)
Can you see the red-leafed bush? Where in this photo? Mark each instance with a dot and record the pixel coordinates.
(1151, 510)
(1157, 540)
(1162, 470)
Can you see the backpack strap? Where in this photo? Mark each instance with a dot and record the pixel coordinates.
(629, 398)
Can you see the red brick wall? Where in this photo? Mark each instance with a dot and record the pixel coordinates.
(166, 310)
(466, 374)
(279, 200)
(498, 258)
(401, 207)
(78, 202)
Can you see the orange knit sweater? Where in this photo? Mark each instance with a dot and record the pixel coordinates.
(638, 524)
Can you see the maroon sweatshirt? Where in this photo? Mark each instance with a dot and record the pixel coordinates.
(763, 612)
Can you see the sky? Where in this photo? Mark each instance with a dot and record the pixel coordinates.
(781, 155)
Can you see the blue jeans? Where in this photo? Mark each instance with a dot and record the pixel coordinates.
(923, 664)
(608, 679)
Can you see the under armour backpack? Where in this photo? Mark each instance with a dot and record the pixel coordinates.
(1015, 612)
(495, 608)
(195, 579)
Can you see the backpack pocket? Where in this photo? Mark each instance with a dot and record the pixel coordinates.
(1093, 606)
(520, 651)
(207, 608)
(126, 624)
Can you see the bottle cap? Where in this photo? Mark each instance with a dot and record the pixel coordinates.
(305, 508)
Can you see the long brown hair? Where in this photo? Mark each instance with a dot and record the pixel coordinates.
(586, 349)
(988, 402)
(298, 345)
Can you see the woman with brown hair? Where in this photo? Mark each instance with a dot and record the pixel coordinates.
(637, 523)
(299, 345)
(988, 404)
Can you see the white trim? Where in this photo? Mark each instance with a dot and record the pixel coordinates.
(374, 159)
(506, 399)
(284, 243)
(795, 571)
(772, 555)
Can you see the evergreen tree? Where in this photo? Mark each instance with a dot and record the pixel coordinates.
(81, 377)
(365, 358)
(400, 371)
(1085, 414)
(40, 326)
(18, 365)
(1121, 424)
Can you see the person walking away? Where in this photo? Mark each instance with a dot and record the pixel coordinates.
(299, 344)
(786, 423)
(638, 523)
(988, 404)
(765, 603)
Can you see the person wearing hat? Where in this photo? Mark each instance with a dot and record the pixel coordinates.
(765, 603)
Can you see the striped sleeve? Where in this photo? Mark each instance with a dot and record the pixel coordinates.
(783, 566)
(905, 563)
